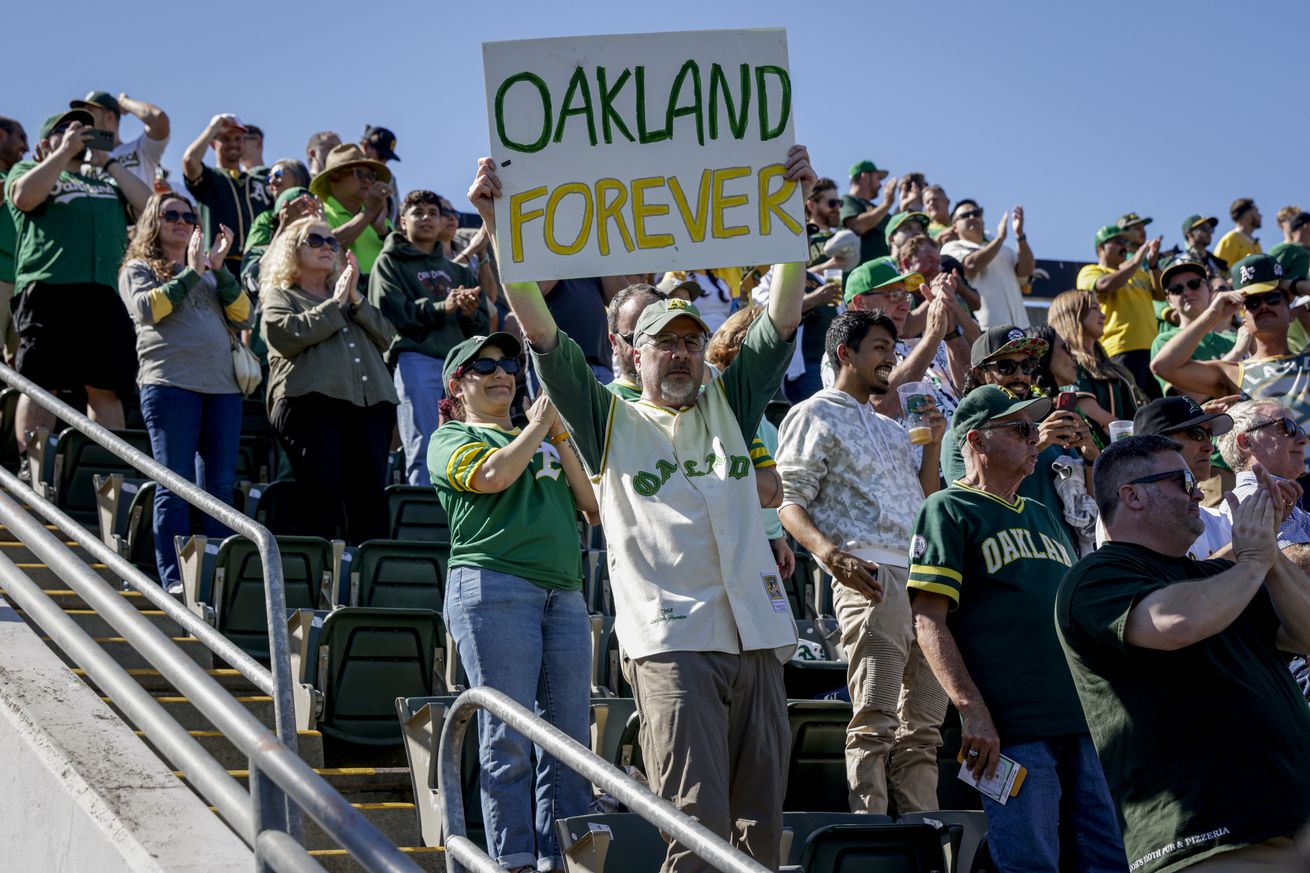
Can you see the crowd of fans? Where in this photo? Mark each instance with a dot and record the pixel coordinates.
(1095, 605)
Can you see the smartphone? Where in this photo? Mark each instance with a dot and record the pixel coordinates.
(101, 140)
(1067, 401)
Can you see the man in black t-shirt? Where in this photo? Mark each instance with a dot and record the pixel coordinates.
(1180, 668)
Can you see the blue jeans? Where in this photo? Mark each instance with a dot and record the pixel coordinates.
(534, 645)
(196, 436)
(1064, 792)
(418, 382)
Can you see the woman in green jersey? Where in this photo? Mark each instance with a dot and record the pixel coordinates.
(514, 601)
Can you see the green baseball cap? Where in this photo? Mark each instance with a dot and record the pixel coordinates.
(894, 223)
(287, 196)
(1109, 232)
(1181, 265)
(875, 274)
(1129, 219)
(472, 347)
(1256, 274)
(60, 117)
(1194, 221)
(98, 99)
(990, 402)
(864, 167)
(658, 314)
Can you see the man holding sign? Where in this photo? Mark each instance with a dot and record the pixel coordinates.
(701, 610)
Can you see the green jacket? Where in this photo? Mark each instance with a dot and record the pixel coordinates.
(410, 287)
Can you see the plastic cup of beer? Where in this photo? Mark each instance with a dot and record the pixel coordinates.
(833, 276)
(914, 402)
(1120, 429)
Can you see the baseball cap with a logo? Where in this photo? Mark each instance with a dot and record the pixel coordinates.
(470, 348)
(98, 100)
(1131, 219)
(1109, 232)
(1004, 339)
(865, 167)
(1171, 414)
(658, 314)
(1256, 274)
(1192, 222)
(875, 274)
(989, 402)
(383, 142)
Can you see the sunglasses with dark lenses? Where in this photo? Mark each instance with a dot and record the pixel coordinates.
(1008, 368)
(364, 174)
(487, 366)
(969, 213)
(834, 202)
(1190, 285)
(317, 241)
(1184, 478)
(1196, 434)
(1269, 298)
(1288, 427)
(1023, 426)
(173, 216)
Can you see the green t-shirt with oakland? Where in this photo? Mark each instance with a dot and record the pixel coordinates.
(873, 243)
(77, 235)
(1000, 563)
(1038, 485)
(528, 530)
(1204, 748)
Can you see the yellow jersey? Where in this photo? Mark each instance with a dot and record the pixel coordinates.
(1129, 314)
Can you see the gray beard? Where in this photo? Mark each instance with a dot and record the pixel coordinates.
(679, 395)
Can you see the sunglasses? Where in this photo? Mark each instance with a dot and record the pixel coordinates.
(1008, 368)
(969, 213)
(894, 296)
(833, 202)
(1190, 285)
(1289, 428)
(1196, 434)
(364, 174)
(173, 216)
(1023, 426)
(317, 241)
(1255, 301)
(1184, 478)
(487, 366)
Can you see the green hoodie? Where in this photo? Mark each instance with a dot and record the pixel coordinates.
(410, 287)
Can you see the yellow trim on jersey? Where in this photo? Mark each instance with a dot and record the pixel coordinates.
(1016, 506)
(239, 309)
(512, 431)
(609, 430)
(160, 305)
(474, 472)
(937, 571)
(763, 465)
(458, 471)
(952, 594)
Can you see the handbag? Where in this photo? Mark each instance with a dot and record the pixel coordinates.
(246, 366)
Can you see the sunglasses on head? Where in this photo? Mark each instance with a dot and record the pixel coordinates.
(1255, 301)
(1022, 426)
(1008, 368)
(1190, 285)
(969, 213)
(317, 241)
(1288, 427)
(487, 366)
(1184, 478)
(173, 216)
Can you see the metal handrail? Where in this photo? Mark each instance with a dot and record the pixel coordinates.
(577, 757)
(270, 558)
(220, 645)
(277, 774)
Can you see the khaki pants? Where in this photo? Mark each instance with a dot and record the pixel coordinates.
(715, 741)
(898, 704)
(1279, 855)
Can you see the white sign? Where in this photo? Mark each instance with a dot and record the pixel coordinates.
(642, 153)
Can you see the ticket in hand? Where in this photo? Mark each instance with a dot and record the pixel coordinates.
(1001, 787)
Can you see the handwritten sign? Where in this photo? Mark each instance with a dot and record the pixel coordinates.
(642, 153)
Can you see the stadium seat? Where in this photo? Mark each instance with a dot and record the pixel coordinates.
(627, 752)
(634, 844)
(256, 458)
(797, 827)
(76, 461)
(358, 661)
(140, 529)
(114, 496)
(9, 458)
(415, 514)
(274, 505)
(612, 680)
(398, 574)
(874, 848)
(966, 828)
(816, 777)
(224, 583)
(421, 721)
(609, 719)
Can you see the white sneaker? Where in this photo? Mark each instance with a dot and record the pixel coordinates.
(175, 588)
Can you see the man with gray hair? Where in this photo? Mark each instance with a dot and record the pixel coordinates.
(1265, 433)
(621, 317)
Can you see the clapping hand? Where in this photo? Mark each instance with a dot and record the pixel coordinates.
(195, 253)
(1002, 227)
(1018, 221)
(1254, 531)
(222, 245)
(346, 292)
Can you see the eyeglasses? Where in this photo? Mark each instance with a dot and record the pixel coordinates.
(893, 296)
(1190, 285)
(487, 366)
(1184, 478)
(969, 213)
(173, 216)
(1255, 301)
(626, 337)
(1196, 434)
(1008, 368)
(668, 342)
(1290, 428)
(364, 174)
(317, 241)
(1023, 427)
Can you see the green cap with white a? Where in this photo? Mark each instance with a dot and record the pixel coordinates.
(990, 402)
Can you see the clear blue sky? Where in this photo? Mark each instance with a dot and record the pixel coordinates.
(1079, 111)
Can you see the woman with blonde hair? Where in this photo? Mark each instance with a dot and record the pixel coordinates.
(1079, 321)
(331, 400)
(184, 302)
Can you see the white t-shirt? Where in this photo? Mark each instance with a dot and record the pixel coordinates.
(997, 285)
(141, 157)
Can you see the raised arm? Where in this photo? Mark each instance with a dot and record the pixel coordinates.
(871, 218)
(31, 189)
(975, 262)
(193, 159)
(1026, 262)
(1174, 362)
(1112, 282)
(151, 116)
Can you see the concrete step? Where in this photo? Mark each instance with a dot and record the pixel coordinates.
(67, 598)
(19, 553)
(356, 784)
(151, 680)
(47, 578)
(97, 626)
(121, 651)
(308, 743)
(185, 713)
(338, 861)
(398, 821)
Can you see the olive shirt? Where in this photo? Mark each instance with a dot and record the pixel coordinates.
(1204, 748)
(317, 346)
(873, 243)
(76, 236)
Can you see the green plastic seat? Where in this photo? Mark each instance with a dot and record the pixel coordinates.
(414, 513)
(236, 586)
(816, 778)
(636, 846)
(798, 826)
(78, 459)
(399, 574)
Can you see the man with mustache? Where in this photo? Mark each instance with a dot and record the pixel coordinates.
(701, 611)
(851, 488)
